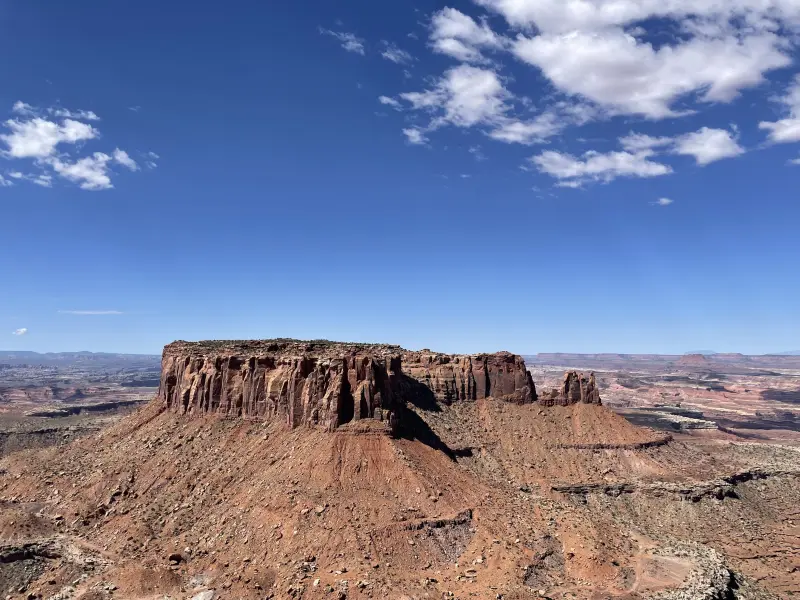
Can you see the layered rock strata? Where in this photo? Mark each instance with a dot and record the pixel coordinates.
(471, 377)
(312, 383)
(576, 389)
(328, 384)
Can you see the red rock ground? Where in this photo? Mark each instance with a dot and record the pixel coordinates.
(485, 500)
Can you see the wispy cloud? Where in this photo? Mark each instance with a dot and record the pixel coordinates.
(91, 312)
(415, 136)
(64, 113)
(663, 202)
(349, 41)
(20, 331)
(41, 179)
(387, 101)
(396, 55)
(477, 153)
(574, 171)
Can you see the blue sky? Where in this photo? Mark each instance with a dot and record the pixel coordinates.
(530, 175)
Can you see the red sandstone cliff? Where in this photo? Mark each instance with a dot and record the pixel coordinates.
(311, 383)
(576, 389)
(326, 383)
(471, 377)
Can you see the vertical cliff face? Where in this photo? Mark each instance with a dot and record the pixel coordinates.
(294, 382)
(471, 377)
(329, 384)
(576, 389)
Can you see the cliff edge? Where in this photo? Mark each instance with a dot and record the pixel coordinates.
(329, 384)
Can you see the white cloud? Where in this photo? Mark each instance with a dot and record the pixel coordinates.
(535, 131)
(783, 131)
(396, 55)
(465, 176)
(601, 59)
(386, 100)
(788, 129)
(125, 160)
(22, 108)
(664, 201)
(477, 153)
(634, 142)
(349, 41)
(38, 138)
(458, 50)
(415, 136)
(152, 157)
(465, 96)
(90, 312)
(6, 182)
(469, 96)
(41, 179)
(594, 166)
(458, 35)
(90, 172)
(50, 145)
(561, 16)
(708, 145)
(20, 331)
(626, 76)
(85, 115)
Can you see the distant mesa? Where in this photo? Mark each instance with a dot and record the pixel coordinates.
(693, 360)
(330, 384)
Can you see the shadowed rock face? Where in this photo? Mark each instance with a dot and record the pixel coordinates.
(576, 389)
(328, 384)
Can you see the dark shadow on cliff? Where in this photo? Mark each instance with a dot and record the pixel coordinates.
(418, 394)
(785, 396)
(413, 427)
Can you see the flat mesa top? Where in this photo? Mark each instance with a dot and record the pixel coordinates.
(275, 346)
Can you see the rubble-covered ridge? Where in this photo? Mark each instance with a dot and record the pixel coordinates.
(327, 383)
(576, 389)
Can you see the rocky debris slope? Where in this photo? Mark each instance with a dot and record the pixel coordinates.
(328, 383)
(719, 489)
(576, 389)
(231, 508)
(710, 579)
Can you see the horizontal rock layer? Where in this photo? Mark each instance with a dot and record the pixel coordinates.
(326, 383)
(471, 377)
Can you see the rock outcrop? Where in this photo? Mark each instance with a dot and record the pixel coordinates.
(576, 389)
(329, 384)
(301, 383)
(471, 377)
